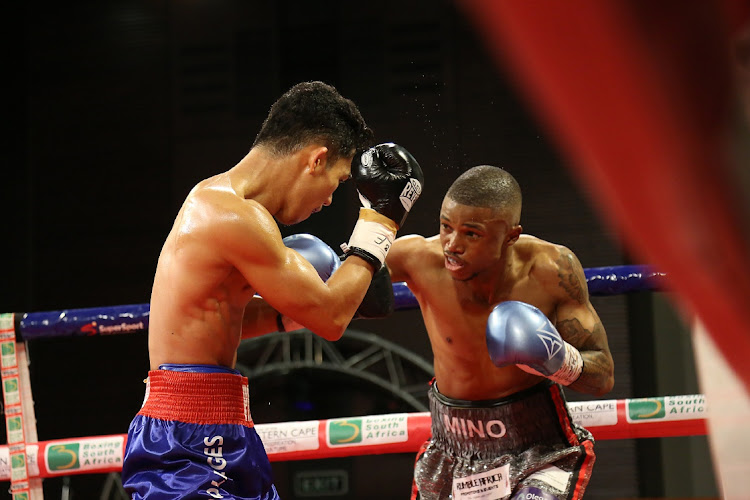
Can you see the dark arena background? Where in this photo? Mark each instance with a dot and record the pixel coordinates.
(115, 109)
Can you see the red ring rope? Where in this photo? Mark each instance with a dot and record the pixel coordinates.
(664, 416)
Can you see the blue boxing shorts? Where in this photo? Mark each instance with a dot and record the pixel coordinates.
(524, 446)
(194, 438)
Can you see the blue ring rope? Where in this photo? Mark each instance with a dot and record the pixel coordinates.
(114, 320)
(602, 281)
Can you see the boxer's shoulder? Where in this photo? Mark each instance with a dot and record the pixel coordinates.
(415, 242)
(417, 248)
(217, 211)
(411, 252)
(543, 255)
(548, 264)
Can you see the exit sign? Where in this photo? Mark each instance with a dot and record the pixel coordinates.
(321, 483)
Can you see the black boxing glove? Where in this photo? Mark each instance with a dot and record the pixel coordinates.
(389, 181)
(379, 301)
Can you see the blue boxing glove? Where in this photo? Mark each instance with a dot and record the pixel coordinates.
(316, 252)
(519, 333)
(323, 259)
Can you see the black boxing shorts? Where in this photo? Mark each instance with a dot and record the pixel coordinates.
(524, 446)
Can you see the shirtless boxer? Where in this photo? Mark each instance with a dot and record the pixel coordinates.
(194, 436)
(500, 425)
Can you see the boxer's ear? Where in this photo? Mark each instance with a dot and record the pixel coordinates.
(513, 234)
(317, 159)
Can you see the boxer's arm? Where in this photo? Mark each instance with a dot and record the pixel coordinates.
(579, 325)
(259, 317)
(405, 252)
(288, 283)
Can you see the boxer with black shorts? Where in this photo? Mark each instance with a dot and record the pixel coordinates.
(194, 436)
(510, 322)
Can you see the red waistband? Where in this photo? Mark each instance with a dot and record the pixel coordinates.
(198, 398)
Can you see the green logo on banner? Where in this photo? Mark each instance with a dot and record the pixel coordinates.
(11, 385)
(646, 409)
(14, 424)
(8, 348)
(21, 496)
(345, 431)
(17, 461)
(63, 457)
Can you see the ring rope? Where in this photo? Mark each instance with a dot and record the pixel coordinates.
(665, 416)
(601, 281)
(113, 320)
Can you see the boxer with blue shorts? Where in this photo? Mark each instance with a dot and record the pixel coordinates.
(225, 273)
(194, 438)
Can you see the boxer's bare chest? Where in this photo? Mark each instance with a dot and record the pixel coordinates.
(455, 314)
(456, 324)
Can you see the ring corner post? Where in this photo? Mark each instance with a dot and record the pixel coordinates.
(729, 411)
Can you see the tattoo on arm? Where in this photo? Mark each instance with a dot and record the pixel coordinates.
(591, 339)
(597, 368)
(573, 332)
(572, 279)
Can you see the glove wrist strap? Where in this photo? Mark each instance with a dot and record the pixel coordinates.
(372, 237)
(571, 368)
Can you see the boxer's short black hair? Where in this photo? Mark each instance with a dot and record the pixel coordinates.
(486, 186)
(313, 112)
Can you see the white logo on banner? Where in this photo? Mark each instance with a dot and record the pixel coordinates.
(289, 436)
(594, 413)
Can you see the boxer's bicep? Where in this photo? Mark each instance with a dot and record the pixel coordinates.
(574, 312)
(290, 284)
(579, 324)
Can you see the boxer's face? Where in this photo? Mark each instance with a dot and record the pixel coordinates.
(323, 181)
(473, 238)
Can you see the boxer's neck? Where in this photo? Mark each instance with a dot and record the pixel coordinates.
(492, 284)
(264, 177)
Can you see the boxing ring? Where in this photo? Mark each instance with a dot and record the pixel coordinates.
(25, 461)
